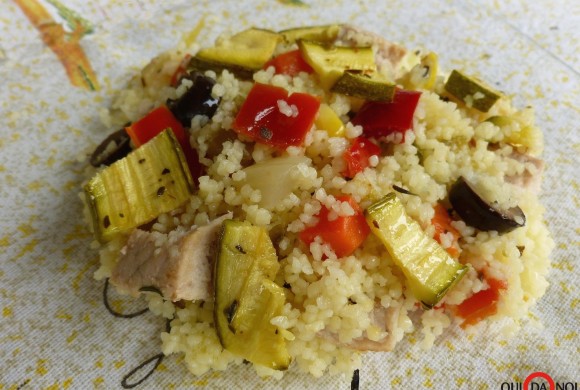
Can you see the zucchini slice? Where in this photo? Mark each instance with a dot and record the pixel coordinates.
(151, 180)
(326, 33)
(243, 53)
(471, 91)
(364, 86)
(429, 270)
(246, 298)
(330, 62)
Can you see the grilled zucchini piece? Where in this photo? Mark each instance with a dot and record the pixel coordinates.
(330, 62)
(243, 53)
(429, 270)
(471, 91)
(151, 180)
(326, 33)
(246, 298)
(366, 86)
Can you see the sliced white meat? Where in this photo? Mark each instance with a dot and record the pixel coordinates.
(388, 55)
(178, 264)
(384, 319)
(531, 178)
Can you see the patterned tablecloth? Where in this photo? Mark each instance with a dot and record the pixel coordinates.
(60, 63)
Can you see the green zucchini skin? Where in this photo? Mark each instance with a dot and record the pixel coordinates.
(428, 268)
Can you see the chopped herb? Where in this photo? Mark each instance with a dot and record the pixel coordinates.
(160, 191)
(403, 190)
(166, 171)
(266, 133)
(355, 380)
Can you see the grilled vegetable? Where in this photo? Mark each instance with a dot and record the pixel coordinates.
(357, 156)
(364, 86)
(278, 170)
(482, 304)
(158, 120)
(197, 100)
(246, 298)
(344, 234)
(515, 132)
(481, 214)
(270, 116)
(428, 268)
(314, 33)
(471, 91)
(383, 118)
(243, 53)
(330, 62)
(329, 121)
(424, 74)
(151, 180)
(116, 146)
(290, 63)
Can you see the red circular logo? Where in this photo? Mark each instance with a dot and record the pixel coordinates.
(539, 374)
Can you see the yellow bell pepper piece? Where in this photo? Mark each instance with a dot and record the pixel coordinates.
(329, 121)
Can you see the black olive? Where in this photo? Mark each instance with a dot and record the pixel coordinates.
(103, 156)
(197, 100)
(478, 213)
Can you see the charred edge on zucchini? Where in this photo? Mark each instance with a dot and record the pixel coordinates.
(230, 312)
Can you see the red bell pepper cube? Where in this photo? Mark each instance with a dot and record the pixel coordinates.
(154, 123)
(442, 223)
(343, 234)
(358, 154)
(482, 304)
(261, 120)
(290, 63)
(381, 119)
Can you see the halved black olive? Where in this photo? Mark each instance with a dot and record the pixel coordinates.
(197, 100)
(105, 154)
(480, 214)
